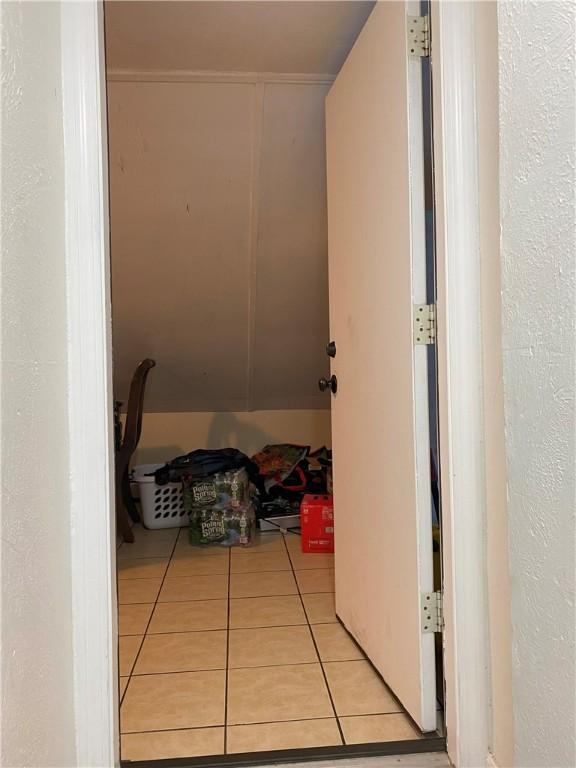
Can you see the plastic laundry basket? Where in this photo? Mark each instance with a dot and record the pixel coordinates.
(162, 505)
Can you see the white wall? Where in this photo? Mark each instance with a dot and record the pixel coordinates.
(166, 435)
(537, 148)
(37, 715)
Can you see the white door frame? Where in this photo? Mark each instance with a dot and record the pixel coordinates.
(460, 382)
(459, 374)
(93, 550)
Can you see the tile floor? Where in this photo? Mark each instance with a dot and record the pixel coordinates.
(230, 651)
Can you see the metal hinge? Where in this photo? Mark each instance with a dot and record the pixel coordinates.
(432, 612)
(418, 36)
(424, 323)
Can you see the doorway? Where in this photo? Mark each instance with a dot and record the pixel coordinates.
(83, 21)
(215, 177)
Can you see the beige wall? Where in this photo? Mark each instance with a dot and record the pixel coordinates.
(166, 435)
(219, 241)
(37, 721)
(501, 731)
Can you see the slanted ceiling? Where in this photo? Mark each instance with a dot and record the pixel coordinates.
(218, 198)
(293, 37)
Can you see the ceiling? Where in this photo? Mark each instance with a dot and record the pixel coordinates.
(296, 36)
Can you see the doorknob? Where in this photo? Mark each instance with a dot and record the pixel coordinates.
(331, 384)
(331, 349)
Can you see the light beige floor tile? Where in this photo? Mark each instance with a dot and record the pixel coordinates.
(320, 608)
(266, 612)
(198, 566)
(311, 561)
(182, 652)
(335, 644)
(366, 729)
(357, 690)
(189, 616)
(194, 588)
(185, 550)
(257, 563)
(293, 542)
(142, 568)
(182, 700)
(262, 542)
(298, 734)
(148, 543)
(128, 648)
(321, 580)
(271, 645)
(262, 584)
(138, 591)
(159, 745)
(271, 694)
(122, 684)
(133, 619)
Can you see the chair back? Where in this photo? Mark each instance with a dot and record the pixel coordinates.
(133, 426)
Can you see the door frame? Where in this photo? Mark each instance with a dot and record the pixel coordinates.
(90, 404)
(460, 380)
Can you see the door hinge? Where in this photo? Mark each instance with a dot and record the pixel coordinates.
(432, 612)
(424, 323)
(418, 36)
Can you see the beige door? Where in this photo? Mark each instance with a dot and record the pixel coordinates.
(383, 514)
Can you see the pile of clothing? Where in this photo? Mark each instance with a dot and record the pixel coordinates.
(287, 473)
(225, 491)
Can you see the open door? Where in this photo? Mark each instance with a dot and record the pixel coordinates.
(380, 431)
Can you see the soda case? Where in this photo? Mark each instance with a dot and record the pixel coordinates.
(317, 523)
(227, 527)
(220, 509)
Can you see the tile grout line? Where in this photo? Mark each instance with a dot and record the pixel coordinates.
(326, 683)
(146, 629)
(235, 573)
(268, 722)
(246, 597)
(256, 667)
(227, 671)
(233, 629)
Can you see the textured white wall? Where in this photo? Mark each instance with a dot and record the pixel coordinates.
(537, 149)
(37, 716)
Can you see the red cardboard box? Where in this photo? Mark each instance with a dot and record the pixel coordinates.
(317, 523)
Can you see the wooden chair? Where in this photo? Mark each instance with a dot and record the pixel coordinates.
(133, 428)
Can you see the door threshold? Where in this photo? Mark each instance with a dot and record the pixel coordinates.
(245, 759)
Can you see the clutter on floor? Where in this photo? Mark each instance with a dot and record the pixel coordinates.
(223, 494)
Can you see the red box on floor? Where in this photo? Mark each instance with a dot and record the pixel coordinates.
(317, 523)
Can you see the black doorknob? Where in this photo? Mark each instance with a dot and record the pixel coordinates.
(331, 384)
(331, 349)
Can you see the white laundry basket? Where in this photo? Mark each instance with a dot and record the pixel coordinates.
(162, 505)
